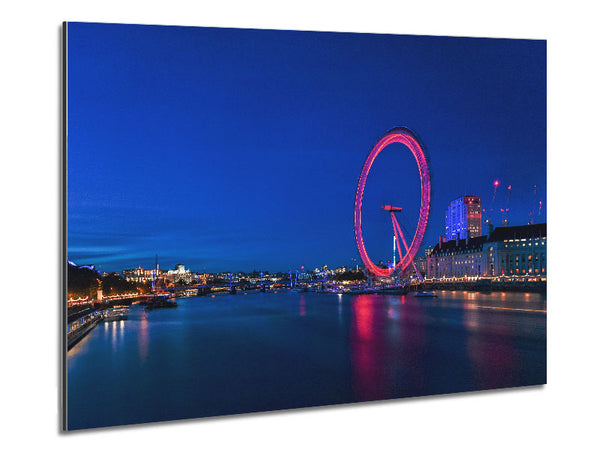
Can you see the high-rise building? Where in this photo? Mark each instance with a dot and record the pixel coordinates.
(463, 216)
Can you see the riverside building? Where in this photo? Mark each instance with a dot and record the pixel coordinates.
(139, 275)
(507, 251)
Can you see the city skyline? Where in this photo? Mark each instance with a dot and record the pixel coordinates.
(227, 153)
(319, 268)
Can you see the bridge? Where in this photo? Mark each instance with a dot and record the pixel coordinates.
(203, 289)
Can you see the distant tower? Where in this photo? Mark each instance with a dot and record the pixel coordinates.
(155, 273)
(99, 291)
(463, 216)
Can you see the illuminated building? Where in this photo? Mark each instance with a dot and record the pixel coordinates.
(519, 250)
(136, 275)
(304, 276)
(507, 251)
(204, 278)
(463, 217)
(139, 275)
(180, 274)
(457, 258)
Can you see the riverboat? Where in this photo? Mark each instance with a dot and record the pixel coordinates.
(116, 313)
(425, 294)
(160, 301)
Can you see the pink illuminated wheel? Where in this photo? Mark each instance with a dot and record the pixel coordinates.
(407, 137)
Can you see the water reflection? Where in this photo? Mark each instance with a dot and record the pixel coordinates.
(262, 352)
(471, 318)
(363, 310)
(143, 338)
(366, 352)
(114, 336)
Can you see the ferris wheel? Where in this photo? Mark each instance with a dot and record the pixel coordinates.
(409, 139)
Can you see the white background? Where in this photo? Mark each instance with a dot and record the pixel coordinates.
(565, 412)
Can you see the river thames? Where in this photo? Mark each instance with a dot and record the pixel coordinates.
(257, 352)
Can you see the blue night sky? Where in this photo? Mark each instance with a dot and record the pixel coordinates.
(229, 150)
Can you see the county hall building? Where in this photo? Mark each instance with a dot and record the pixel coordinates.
(507, 251)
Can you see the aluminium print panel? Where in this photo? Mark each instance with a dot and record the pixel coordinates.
(260, 220)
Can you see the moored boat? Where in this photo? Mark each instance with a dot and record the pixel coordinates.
(116, 313)
(160, 301)
(425, 294)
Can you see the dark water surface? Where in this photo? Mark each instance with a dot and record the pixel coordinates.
(257, 352)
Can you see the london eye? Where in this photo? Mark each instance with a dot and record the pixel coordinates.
(410, 140)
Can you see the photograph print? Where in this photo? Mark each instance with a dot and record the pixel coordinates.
(262, 220)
